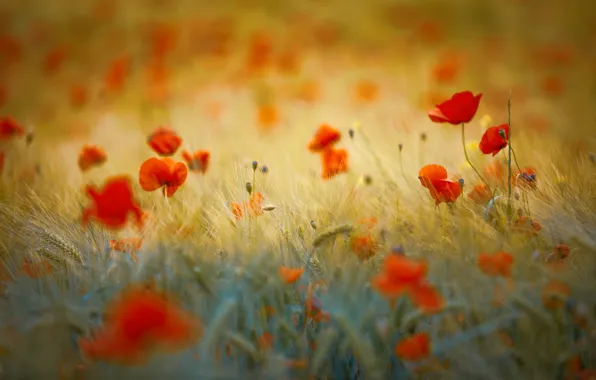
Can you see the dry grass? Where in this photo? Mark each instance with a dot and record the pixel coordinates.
(40, 211)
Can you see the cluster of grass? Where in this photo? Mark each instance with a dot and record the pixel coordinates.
(330, 321)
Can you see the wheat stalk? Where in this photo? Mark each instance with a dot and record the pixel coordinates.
(57, 243)
(329, 234)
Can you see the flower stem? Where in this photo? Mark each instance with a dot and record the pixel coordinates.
(463, 140)
(509, 208)
(254, 186)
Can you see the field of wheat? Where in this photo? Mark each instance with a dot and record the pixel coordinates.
(301, 189)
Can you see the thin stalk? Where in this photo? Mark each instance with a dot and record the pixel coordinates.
(377, 160)
(254, 186)
(509, 208)
(514, 157)
(463, 140)
(162, 250)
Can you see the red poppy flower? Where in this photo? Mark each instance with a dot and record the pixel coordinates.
(267, 116)
(9, 128)
(253, 207)
(54, 59)
(434, 178)
(414, 348)
(164, 141)
(162, 38)
(113, 203)
(362, 243)
(447, 68)
(366, 92)
(116, 75)
(494, 139)
(290, 275)
(78, 96)
(197, 161)
(162, 173)
(496, 265)
(334, 161)
(404, 276)
(138, 322)
(259, 52)
(91, 156)
(461, 108)
(325, 137)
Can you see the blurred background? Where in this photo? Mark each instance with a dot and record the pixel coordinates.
(64, 63)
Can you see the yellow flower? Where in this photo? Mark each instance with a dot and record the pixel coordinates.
(485, 121)
(472, 147)
(356, 125)
(464, 166)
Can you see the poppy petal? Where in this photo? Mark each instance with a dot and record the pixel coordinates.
(152, 174)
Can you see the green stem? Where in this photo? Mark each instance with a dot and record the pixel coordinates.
(162, 252)
(515, 157)
(463, 140)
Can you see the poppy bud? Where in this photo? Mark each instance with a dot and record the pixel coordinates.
(313, 224)
(351, 133)
(461, 182)
(423, 137)
(255, 165)
(264, 169)
(400, 147)
(398, 250)
(367, 180)
(502, 134)
(249, 188)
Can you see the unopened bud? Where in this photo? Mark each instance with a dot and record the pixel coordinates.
(400, 146)
(367, 180)
(351, 133)
(268, 207)
(255, 165)
(249, 188)
(461, 182)
(423, 137)
(264, 169)
(398, 250)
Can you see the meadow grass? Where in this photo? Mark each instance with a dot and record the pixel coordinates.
(225, 271)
